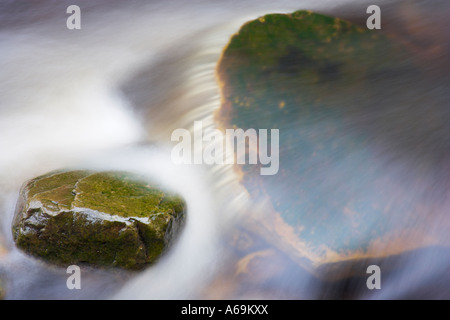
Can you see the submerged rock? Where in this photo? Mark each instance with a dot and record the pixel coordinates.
(336, 92)
(106, 219)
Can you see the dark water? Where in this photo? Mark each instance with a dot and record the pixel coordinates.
(109, 96)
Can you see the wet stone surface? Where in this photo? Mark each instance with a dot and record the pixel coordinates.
(105, 219)
(335, 91)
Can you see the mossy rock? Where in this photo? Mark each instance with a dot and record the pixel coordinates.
(323, 82)
(104, 219)
(2, 290)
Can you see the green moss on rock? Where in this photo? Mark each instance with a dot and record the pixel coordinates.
(110, 219)
(2, 290)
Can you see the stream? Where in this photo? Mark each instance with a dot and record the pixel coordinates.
(108, 97)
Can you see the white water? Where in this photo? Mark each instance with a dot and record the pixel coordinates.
(61, 106)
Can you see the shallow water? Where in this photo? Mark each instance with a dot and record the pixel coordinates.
(109, 95)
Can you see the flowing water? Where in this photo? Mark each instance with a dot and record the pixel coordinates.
(108, 96)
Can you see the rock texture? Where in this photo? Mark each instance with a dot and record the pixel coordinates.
(106, 219)
(336, 92)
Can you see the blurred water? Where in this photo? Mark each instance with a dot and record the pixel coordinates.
(109, 95)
